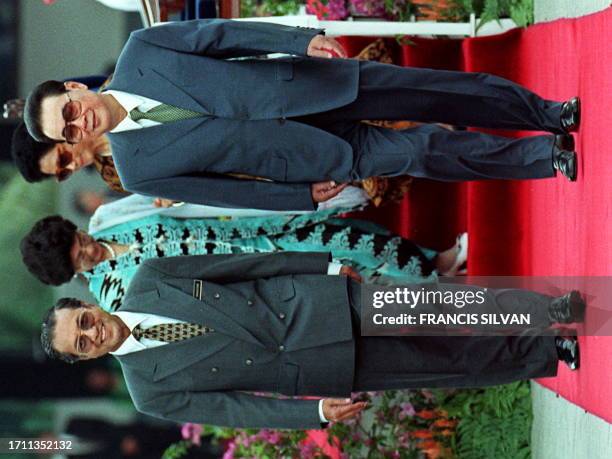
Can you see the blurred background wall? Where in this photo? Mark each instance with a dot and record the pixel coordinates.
(67, 39)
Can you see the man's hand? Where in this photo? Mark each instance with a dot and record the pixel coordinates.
(350, 272)
(322, 46)
(340, 409)
(323, 191)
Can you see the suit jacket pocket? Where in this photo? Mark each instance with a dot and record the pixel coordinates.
(288, 379)
(284, 70)
(286, 289)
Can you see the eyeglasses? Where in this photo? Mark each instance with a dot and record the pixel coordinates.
(71, 112)
(64, 159)
(84, 322)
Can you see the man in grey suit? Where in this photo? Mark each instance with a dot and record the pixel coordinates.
(183, 115)
(195, 334)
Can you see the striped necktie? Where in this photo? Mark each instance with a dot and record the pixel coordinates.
(164, 114)
(170, 333)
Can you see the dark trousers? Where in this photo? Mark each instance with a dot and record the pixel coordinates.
(409, 362)
(391, 92)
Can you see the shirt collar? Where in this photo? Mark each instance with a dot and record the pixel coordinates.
(131, 344)
(129, 102)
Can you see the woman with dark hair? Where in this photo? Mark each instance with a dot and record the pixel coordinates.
(38, 161)
(55, 249)
(45, 247)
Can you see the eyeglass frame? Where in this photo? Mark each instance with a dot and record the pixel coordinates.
(67, 122)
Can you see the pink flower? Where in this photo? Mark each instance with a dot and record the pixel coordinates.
(48, 2)
(192, 432)
(229, 452)
(273, 438)
(307, 450)
(406, 410)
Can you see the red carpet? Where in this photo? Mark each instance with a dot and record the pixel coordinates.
(553, 227)
(543, 227)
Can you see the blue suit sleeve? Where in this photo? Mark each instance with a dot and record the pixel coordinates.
(234, 409)
(221, 191)
(222, 38)
(241, 267)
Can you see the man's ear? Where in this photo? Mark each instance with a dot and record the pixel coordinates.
(74, 85)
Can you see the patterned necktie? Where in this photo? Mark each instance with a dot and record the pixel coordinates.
(164, 114)
(170, 333)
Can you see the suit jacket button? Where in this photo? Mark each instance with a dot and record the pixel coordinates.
(281, 348)
(248, 362)
(214, 369)
(217, 296)
(249, 302)
(282, 315)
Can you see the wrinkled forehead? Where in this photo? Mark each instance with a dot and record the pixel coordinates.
(52, 121)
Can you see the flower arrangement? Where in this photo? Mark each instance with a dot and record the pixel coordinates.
(410, 424)
(331, 10)
(398, 424)
(337, 10)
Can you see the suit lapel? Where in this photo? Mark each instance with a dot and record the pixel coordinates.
(170, 358)
(150, 83)
(153, 139)
(168, 301)
(183, 306)
(163, 361)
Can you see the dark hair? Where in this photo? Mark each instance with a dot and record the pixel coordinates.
(47, 329)
(32, 112)
(27, 153)
(45, 250)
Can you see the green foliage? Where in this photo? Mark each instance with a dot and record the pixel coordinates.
(494, 422)
(177, 450)
(252, 8)
(520, 11)
(21, 206)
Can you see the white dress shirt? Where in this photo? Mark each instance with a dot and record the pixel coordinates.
(129, 102)
(132, 319)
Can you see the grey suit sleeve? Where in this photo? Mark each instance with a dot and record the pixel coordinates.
(224, 38)
(241, 267)
(234, 409)
(222, 191)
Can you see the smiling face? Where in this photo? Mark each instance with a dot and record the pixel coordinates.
(86, 252)
(86, 111)
(63, 159)
(87, 332)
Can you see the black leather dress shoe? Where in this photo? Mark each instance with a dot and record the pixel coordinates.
(567, 309)
(566, 162)
(570, 114)
(568, 351)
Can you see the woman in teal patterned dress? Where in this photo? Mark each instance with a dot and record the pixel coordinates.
(55, 250)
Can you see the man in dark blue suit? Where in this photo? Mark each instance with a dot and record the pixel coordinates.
(190, 106)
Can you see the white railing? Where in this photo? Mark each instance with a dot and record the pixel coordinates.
(377, 28)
